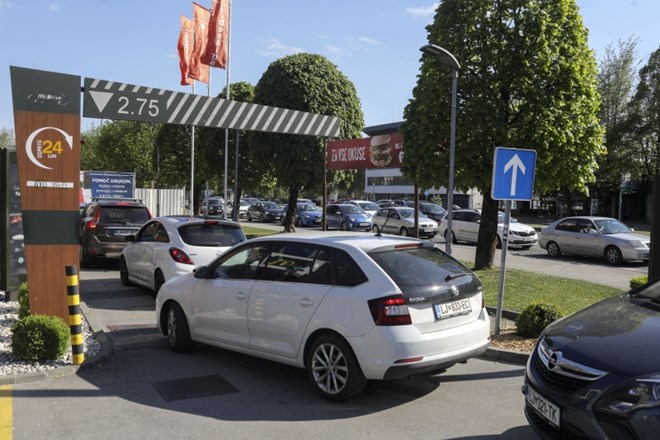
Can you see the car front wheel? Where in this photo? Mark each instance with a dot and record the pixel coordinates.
(553, 249)
(375, 229)
(333, 369)
(123, 273)
(178, 332)
(344, 226)
(613, 255)
(404, 232)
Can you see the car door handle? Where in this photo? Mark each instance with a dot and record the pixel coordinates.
(306, 302)
(241, 295)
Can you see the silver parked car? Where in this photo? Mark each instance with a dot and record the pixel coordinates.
(595, 237)
(401, 220)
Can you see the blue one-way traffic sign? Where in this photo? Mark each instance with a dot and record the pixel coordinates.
(513, 174)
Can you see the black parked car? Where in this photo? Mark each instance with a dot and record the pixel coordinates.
(596, 374)
(264, 212)
(431, 210)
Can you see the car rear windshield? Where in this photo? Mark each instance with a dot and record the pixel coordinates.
(124, 215)
(211, 234)
(419, 268)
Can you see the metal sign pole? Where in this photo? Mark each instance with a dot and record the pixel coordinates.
(505, 246)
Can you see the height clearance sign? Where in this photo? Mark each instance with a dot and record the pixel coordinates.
(382, 151)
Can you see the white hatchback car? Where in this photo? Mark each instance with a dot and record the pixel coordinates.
(345, 307)
(173, 245)
(401, 220)
(369, 207)
(465, 228)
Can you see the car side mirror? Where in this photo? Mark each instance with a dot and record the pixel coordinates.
(632, 230)
(592, 232)
(201, 272)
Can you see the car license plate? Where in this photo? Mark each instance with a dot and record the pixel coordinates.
(364, 224)
(317, 221)
(122, 233)
(454, 308)
(543, 406)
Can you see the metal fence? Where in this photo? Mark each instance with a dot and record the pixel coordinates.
(163, 201)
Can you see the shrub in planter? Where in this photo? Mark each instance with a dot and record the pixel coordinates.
(534, 318)
(638, 282)
(23, 301)
(38, 338)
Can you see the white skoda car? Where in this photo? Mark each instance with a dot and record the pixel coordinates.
(345, 307)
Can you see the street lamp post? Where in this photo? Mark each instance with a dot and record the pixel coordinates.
(445, 57)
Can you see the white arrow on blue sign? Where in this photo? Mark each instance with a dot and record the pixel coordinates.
(513, 174)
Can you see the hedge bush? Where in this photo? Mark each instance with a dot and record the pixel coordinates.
(534, 318)
(38, 338)
(23, 301)
(638, 282)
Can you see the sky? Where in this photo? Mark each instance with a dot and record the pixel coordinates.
(375, 43)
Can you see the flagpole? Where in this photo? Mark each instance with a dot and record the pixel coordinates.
(226, 129)
(192, 164)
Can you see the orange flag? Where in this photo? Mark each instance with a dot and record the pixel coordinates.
(216, 47)
(184, 47)
(201, 16)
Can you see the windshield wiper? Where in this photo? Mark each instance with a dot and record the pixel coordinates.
(453, 276)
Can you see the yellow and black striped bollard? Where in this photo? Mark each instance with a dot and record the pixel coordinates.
(75, 322)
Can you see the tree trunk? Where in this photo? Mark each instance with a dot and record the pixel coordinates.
(291, 211)
(237, 199)
(487, 233)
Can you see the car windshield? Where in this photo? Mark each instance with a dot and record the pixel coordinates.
(406, 213)
(418, 267)
(612, 226)
(436, 209)
(210, 234)
(351, 209)
(269, 205)
(245, 203)
(307, 208)
(369, 206)
(652, 292)
(500, 218)
(214, 202)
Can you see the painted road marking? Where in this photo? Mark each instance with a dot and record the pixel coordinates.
(5, 412)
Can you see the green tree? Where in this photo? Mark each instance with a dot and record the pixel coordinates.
(644, 122)
(309, 83)
(6, 138)
(122, 146)
(527, 80)
(616, 78)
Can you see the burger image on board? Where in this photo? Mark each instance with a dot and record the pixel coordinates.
(381, 150)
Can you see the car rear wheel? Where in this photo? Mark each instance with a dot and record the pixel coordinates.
(262, 218)
(159, 280)
(375, 229)
(178, 332)
(553, 249)
(123, 273)
(333, 369)
(249, 218)
(86, 260)
(498, 245)
(453, 237)
(613, 255)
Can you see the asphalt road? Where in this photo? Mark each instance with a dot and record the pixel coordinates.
(146, 391)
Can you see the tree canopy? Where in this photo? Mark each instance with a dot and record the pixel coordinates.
(527, 80)
(310, 83)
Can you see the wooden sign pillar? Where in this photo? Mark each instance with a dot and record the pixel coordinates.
(47, 127)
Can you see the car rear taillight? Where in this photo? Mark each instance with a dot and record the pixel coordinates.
(91, 224)
(179, 256)
(390, 310)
